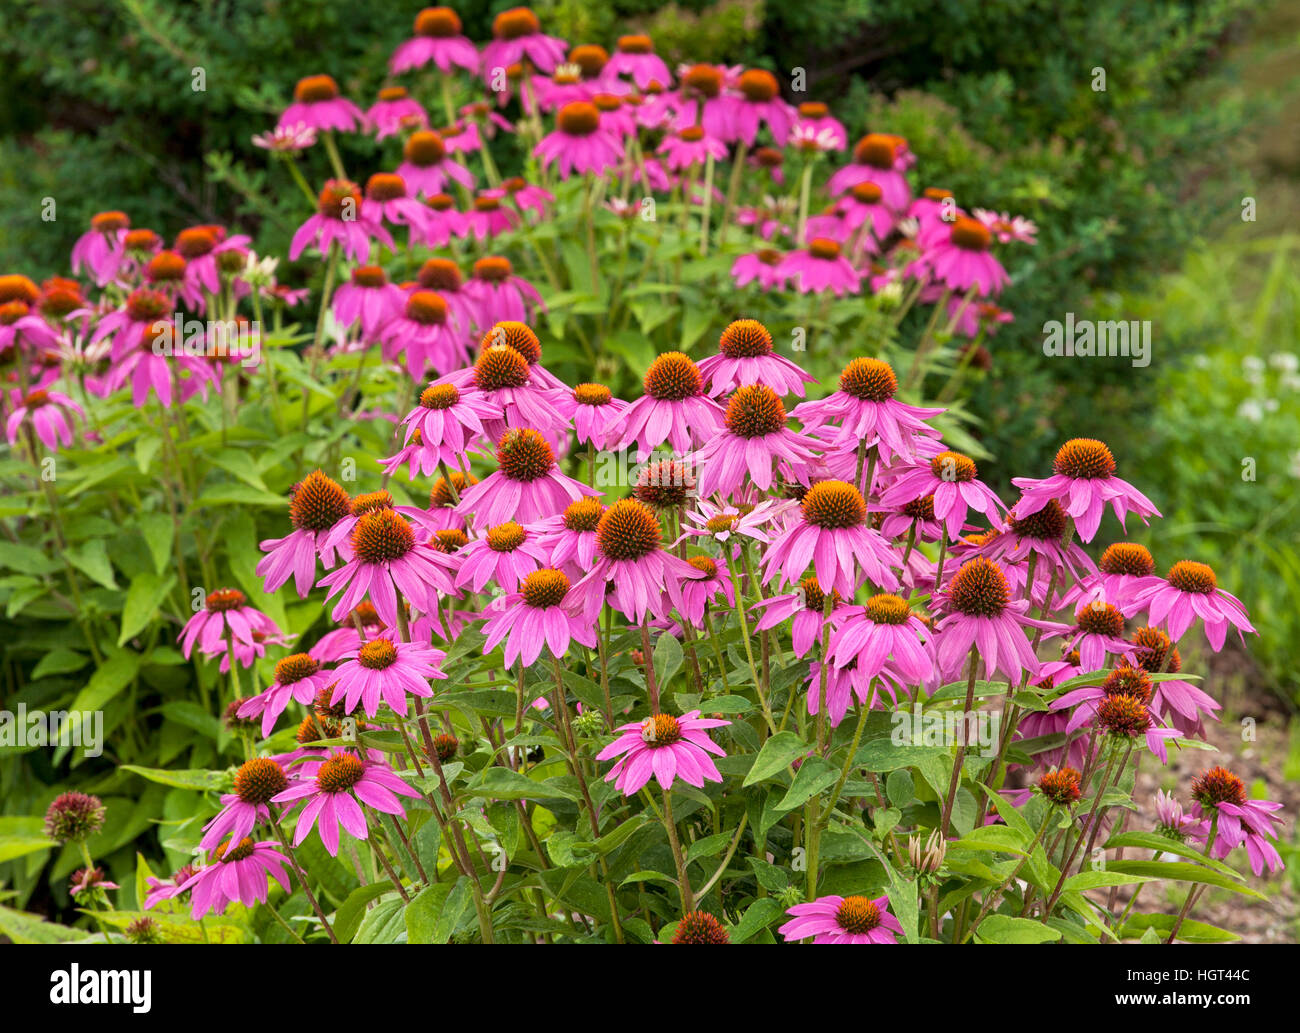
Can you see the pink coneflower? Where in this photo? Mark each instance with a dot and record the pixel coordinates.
(883, 630)
(834, 536)
(1040, 534)
(225, 613)
(1097, 632)
(332, 787)
(630, 556)
(702, 100)
(287, 139)
(383, 671)
(297, 677)
(340, 218)
(506, 555)
(816, 116)
(634, 56)
(980, 612)
(426, 164)
(47, 413)
(500, 295)
(689, 148)
(368, 298)
(541, 613)
(1123, 568)
(963, 261)
(489, 218)
(237, 872)
(89, 881)
(1242, 822)
(256, 782)
(100, 249)
(385, 560)
(167, 889)
(1190, 590)
(565, 86)
(504, 377)
(698, 594)
(526, 486)
(771, 161)
(438, 40)
(316, 504)
(388, 201)
(1084, 482)
(442, 275)
(517, 35)
(822, 267)
(836, 919)
(591, 408)
(804, 608)
(427, 332)
(757, 102)
(569, 538)
(664, 747)
(449, 422)
(1170, 819)
(674, 408)
(316, 103)
(934, 210)
(1180, 702)
(953, 480)
(579, 143)
(753, 439)
(864, 206)
(765, 266)
(881, 159)
(527, 197)
(1008, 228)
(143, 308)
(976, 317)
(340, 535)
(746, 356)
(158, 363)
(461, 138)
(202, 247)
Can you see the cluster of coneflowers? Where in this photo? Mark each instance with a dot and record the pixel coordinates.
(841, 529)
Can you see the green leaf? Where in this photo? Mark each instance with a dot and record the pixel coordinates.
(20, 846)
(1182, 872)
(668, 658)
(157, 530)
(1159, 843)
(814, 775)
(709, 846)
(26, 559)
(757, 917)
(1142, 926)
(1092, 880)
(899, 788)
(384, 924)
(499, 783)
(110, 678)
(21, 927)
(1005, 929)
(199, 781)
(91, 558)
(347, 920)
(433, 915)
(59, 661)
(143, 598)
(775, 756)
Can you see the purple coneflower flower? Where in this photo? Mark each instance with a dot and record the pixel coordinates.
(427, 165)
(516, 35)
(804, 609)
(884, 629)
(332, 787)
(634, 56)
(746, 356)
(256, 782)
(541, 613)
(297, 677)
(953, 480)
(237, 872)
(674, 408)
(579, 143)
(368, 298)
(833, 535)
(499, 295)
(340, 219)
(981, 613)
(526, 486)
(753, 438)
(225, 612)
(664, 747)
(427, 332)
(836, 919)
(822, 267)
(47, 413)
(1191, 590)
(1084, 482)
(506, 555)
(316, 103)
(881, 159)
(316, 504)
(438, 40)
(384, 671)
(100, 249)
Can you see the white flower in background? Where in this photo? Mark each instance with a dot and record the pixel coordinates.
(1294, 469)
(259, 272)
(285, 139)
(1250, 410)
(1288, 362)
